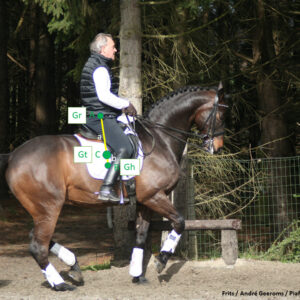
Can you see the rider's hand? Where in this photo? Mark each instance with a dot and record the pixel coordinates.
(130, 110)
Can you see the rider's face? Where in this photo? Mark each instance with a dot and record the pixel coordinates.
(109, 49)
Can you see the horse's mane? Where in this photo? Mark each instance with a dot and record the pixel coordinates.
(177, 92)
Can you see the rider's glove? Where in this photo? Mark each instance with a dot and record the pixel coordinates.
(130, 110)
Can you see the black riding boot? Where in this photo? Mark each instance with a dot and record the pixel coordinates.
(107, 191)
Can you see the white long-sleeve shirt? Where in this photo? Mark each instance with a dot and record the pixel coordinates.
(102, 83)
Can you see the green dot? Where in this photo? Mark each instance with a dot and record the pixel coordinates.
(106, 154)
(107, 165)
(100, 116)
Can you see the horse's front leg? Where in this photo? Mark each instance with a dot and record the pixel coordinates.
(170, 244)
(69, 259)
(139, 259)
(162, 205)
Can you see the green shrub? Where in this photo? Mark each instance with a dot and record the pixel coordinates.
(287, 250)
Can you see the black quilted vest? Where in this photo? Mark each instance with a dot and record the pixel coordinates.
(88, 92)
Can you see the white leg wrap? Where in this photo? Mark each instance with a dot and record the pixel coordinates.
(64, 254)
(171, 242)
(52, 275)
(136, 263)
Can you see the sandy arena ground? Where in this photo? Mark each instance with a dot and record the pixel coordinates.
(86, 234)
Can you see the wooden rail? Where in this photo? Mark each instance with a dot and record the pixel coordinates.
(228, 227)
(229, 224)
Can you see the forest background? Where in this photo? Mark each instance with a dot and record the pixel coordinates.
(252, 46)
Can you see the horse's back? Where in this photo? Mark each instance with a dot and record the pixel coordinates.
(40, 149)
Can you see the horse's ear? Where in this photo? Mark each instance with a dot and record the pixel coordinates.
(220, 91)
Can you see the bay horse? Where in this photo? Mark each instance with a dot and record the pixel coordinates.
(42, 175)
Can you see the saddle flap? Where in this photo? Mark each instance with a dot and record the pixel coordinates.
(88, 133)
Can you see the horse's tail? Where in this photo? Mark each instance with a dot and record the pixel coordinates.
(3, 166)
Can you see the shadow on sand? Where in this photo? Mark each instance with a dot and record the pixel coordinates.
(172, 270)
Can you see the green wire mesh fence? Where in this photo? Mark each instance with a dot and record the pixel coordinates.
(263, 193)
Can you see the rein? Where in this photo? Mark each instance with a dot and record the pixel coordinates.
(147, 123)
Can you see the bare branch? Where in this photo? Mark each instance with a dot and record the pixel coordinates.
(16, 62)
(155, 2)
(243, 57)
(176, 35)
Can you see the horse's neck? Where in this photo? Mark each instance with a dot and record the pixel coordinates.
(175, 113)
(178, 116)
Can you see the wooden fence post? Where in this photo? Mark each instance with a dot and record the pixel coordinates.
(191, 215)
(229, 243)
(180, 201)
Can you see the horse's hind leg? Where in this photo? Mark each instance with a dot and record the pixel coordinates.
(69, 259)
(39, 249)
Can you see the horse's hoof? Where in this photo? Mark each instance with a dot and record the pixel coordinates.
(62, 287)
(161, 260)
(139, 280)
(76, 277)
(159, 265)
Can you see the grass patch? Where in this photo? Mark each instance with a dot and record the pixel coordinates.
(251, 251)
(97, 267)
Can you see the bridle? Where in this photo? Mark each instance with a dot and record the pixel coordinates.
(207, 137)
(211, 119)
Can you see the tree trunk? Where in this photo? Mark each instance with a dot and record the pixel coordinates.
(274, 131)
(33, 50)
(45, 83)
(130, 88)
(4, 92)
(181, 55)
(130, 55)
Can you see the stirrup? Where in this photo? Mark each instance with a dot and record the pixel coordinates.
(109, 195)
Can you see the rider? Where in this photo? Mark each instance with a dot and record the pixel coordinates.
(99, 95)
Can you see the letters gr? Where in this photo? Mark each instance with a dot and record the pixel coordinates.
(76, 115)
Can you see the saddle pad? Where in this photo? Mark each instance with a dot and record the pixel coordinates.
(96, 168)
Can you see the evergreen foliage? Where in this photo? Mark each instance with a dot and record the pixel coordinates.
(197, 42)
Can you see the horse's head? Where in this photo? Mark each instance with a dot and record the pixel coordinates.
(210, 119)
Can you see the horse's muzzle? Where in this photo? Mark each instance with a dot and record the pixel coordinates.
(213, 145)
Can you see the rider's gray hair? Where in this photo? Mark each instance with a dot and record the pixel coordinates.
(99, 41)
